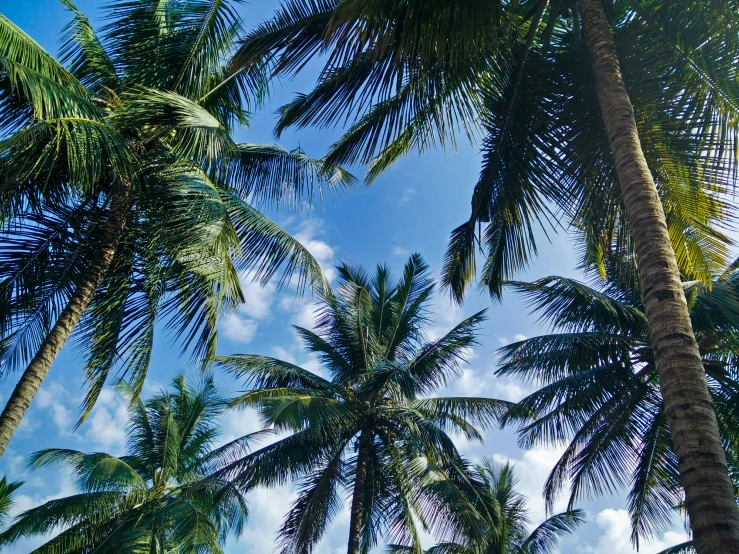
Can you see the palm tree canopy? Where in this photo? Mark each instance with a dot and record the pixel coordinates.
(373, 400)
(599, 394)
(509, 530)
(153, 499)
(148, 105)
(517, 74)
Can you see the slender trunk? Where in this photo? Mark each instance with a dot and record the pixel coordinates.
(709, 494)
(37, 370)
(355, 522)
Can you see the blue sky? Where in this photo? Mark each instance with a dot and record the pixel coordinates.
(412, 208)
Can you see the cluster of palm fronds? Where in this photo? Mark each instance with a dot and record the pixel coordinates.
(125, 199)
(127, 206)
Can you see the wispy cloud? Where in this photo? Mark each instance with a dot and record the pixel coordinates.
(406, 196)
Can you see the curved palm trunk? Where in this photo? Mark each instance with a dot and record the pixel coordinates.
(710, 502)
(355, 521)
(38, 369)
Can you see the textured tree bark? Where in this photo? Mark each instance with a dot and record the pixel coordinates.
(38, 369)
(710, 501)
(355, 521)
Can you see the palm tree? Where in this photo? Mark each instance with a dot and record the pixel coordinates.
(371, 425)
(509, 532)
(409, 75)
(124, 197)
(600, 395)
(154, 499)
(7, 491)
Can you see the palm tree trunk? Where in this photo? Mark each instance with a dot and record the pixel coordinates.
(38, 369)
(357, 508)
(709, 494)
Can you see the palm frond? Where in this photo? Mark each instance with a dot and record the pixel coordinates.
(269, 174)
(263, 372)
(7, 491)
(85, 55)
(546, 536)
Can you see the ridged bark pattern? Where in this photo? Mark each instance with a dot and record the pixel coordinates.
(39, 367)
(710, 501)
(357, 508)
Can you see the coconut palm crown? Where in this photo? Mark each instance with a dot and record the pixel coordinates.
(509, 530)
(124, 197)
(152, 499)
(598, 392)
(368, 423)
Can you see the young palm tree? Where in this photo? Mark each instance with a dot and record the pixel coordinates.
(370, 425)
(509, 531)
(547, 81)
(154, 499)
(599, 391)
(123, 195)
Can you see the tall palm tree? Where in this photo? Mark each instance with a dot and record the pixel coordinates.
(370, 425)
(547, 81)
(599, 391)
(509, 531)
(154, 499)
(124, 197)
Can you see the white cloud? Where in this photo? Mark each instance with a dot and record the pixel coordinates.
(15, 465)
(616, 536)
(509, 389)
(242, 326)
(505, 341)
(301, 311)
(445, 314)
(400, 251)
(309, 236)
(238, 328)
(475, 382)
(23, 502)
(283, 354)
(28, 426)
(106, 426)
(533, 468)
(267, 509)
(406, 196)
(335, 540)
(50, 398)
(313, 365)
(238, 423)
(258, 298)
